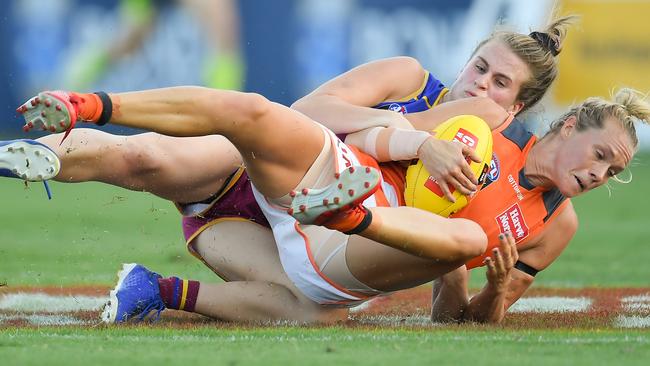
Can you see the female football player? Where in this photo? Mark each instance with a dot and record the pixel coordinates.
(481, 63)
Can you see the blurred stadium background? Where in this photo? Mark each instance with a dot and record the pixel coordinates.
(285, 48)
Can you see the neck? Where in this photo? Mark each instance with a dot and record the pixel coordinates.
(539, 163)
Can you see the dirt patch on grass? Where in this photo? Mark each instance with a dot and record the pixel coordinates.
(409, 308)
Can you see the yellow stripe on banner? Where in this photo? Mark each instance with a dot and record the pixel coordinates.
(184, 295)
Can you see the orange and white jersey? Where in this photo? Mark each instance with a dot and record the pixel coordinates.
(508, 201)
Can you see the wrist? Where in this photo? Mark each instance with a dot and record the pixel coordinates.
(421, 146)
(497, 289)
(408, 143)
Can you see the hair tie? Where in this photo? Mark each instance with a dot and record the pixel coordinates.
(546, 42)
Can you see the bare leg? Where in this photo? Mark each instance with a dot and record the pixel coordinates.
(245, 253)
(177, 169)
(278, 146)
(426, 235)
(390, 269)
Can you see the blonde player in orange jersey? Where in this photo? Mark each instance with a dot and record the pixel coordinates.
(494, 82)
(584, 148)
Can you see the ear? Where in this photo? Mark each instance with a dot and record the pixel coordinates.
(569, 126)
(516, 108)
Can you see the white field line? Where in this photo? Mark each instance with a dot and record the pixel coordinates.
(624, 321)
(25, 305)
(551, 304)
(396, 320)
(637, 307)
(30, 302)
(637, 298)
(42, 320)
(640, 303)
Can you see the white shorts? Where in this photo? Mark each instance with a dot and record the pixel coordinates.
(296, 242)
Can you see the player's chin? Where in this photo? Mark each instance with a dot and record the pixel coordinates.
(570, 190)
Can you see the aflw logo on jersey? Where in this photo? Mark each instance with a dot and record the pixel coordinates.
(464, 137)
(395, 107)
(494, 170)
(512, 220)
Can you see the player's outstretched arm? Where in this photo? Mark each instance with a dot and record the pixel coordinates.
(485, 108)
(505, 287)
(342, 103)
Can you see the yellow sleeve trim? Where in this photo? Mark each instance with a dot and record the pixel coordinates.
(415, 94)
(437, 101)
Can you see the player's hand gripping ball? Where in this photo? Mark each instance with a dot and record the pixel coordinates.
(422, 191)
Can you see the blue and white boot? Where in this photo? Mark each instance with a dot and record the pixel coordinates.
(135, 296)
(28, 160)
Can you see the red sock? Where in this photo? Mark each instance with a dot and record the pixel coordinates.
(179, 294)
(89, 106)
(352, 221)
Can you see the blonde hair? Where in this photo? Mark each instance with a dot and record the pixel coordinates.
(628, 106)
(538, 50)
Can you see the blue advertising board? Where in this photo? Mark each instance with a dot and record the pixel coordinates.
(289, 46)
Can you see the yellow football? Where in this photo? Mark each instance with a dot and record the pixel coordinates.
(422, 191)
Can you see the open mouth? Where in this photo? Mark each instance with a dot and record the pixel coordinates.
(470, 94)
(582, 187)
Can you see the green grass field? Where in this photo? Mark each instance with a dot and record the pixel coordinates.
(322, 346)
(83, 235)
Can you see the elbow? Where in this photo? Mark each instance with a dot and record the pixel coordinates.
(411, 64)
(487, 104)
(491, 112)
(309, 103)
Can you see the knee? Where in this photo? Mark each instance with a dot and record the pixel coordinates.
(140, 159)
(245, 107)
(469, 240)
(255, 106)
